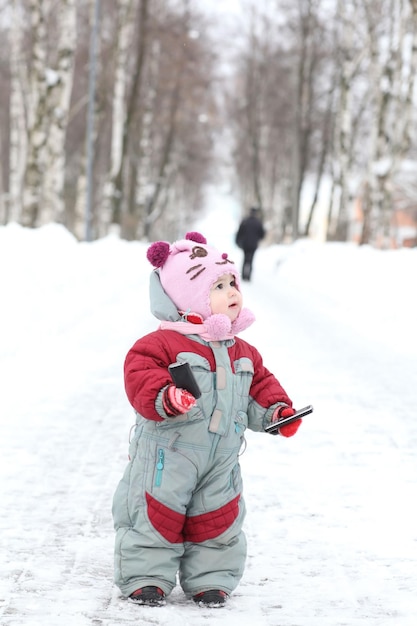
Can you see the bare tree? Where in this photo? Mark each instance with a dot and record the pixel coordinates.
(37, 127)
(18, 135)
(119, 179)
(259, 107)
(3, 209)
(305, 74)
(154, 113)
(301, 105)
(282, 128)
(174, 84)
(350, 57)
(392, 68)
(59, 79)
(47, 104)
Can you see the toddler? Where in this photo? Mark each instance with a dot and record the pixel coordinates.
(179, 509)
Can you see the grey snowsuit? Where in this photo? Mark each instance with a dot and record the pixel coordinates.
(179, 507)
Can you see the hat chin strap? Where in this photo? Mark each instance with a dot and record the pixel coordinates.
(217, 327)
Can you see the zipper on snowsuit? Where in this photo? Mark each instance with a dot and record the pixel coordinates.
(159, 467)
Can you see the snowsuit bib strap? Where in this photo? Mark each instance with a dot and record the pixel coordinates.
(220, 419)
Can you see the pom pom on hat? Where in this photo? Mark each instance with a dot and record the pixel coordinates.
(243, 321)
(188, 269)
(218, 326)
(158, 253)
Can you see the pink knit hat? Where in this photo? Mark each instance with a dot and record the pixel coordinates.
(188, 268)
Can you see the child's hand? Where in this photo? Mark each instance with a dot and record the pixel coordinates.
(289, 429)
(177, 401)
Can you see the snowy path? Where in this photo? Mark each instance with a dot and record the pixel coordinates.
(331, 525)
(355, 538)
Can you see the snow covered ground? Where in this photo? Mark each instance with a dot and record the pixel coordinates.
(331, 524)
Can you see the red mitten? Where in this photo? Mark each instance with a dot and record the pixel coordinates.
(289, 429)
(177, 401)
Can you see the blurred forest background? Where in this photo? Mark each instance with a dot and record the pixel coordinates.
(116, 114)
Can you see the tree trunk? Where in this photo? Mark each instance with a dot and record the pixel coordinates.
(303, 107)
(118, 180)
(343, 125)
(124, 42)
(152, 205)
(253, 117)
(59, 85)
(326, 134)
(4, 208)
(18, 136)
(392, 114)
(84, 222)
(37, 118)
(143, 183)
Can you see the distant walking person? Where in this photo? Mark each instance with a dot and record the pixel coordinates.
(248, 236)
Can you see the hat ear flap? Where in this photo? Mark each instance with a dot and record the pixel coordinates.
(158, 253)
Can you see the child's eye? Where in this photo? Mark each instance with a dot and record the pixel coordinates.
(219, 286)
(233, 283)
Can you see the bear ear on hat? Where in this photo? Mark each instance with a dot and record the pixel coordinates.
(197, 237)
(158, 253)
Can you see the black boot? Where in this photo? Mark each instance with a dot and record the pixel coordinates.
(212, 599)
(148, 596)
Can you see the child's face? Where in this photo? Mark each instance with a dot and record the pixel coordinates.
(225, 297)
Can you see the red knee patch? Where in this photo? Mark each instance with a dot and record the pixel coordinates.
(212, 524)
(167, 522)
(177, 528)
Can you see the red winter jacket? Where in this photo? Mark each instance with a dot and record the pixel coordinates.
(147, 361)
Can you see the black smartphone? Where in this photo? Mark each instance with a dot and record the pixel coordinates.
(183, 377)
(272, 428)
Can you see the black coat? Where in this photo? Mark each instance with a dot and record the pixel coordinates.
(250, 232)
